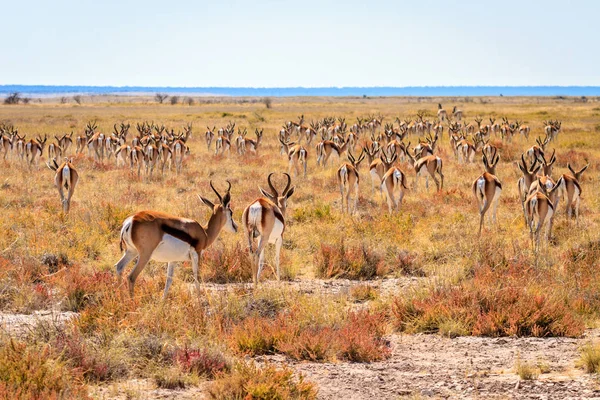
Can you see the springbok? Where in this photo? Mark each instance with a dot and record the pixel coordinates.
(178, 150)
(66, 177)
(65, 141)
(54, 151)
(297, 156)
(570, 188)
(547, 165)
(222, 144)
(153, 235)
(441, 113)
(524, 182)
(379, 167)
(539, 211)
(210, 134)
(431, 165)
(122, 154)
(552, 129)
(487, 189)
(393, 183)
(326, 148)
(265, 219)
(537, 150)
(458, 114)
(524, 130)
(251, 144)
(6, 145)
(34, 149)
(348, 179)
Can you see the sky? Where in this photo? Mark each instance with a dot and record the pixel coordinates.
(311, 43)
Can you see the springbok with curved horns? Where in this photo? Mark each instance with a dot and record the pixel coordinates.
(458, 114)
(524, 183)
(265, 219)
(393, 184)
(487, 189)
(570, 188)
(66, 177)
(210, 134)
(431, 165)
(297, 156)
(379, 167)
(153, 235)
(65, 141)
(348, 179)
(539, 210)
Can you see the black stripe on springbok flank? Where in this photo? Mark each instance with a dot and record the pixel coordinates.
(179, 234)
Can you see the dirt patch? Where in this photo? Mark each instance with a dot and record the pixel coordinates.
(19, 324)
(386, 286)
(465, 367)
(146, 389)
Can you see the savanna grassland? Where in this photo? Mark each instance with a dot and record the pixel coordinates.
(355, 290)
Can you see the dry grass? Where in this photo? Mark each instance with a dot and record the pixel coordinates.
(493, 285)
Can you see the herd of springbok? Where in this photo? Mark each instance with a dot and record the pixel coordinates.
(152, 235)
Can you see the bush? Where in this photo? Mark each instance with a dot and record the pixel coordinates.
(352, 262)
(313, 344)
(170, 379)
(174, 100)
(31, 372)
(189, 101)
(589, 358)
(268, 102)
(202, 362)
(525, 370)
(227, 264)
(247, 381)
(97, 366)
(360, 339)
(160, 97)
(77, 99)
(364, 292)
(497, 301)
(255, 336)
(13, 98)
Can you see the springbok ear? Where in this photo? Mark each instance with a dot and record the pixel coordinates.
(267, 194)
(290, 192)
(207, 202)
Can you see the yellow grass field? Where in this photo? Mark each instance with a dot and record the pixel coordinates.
(351, 285)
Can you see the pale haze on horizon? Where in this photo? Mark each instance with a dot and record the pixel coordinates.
(268, 43)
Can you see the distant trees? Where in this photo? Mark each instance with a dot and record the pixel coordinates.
(189, 101)
(77, 99)
(268, 102)
(160, 97)
(13, 98)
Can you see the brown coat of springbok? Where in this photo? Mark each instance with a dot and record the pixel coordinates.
(487, 189)
(570, 188)
(348, 179)
(153, 235)
(393, 184)
(66, 177)
(265, 219)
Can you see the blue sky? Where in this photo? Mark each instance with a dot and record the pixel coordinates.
(268, 43)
